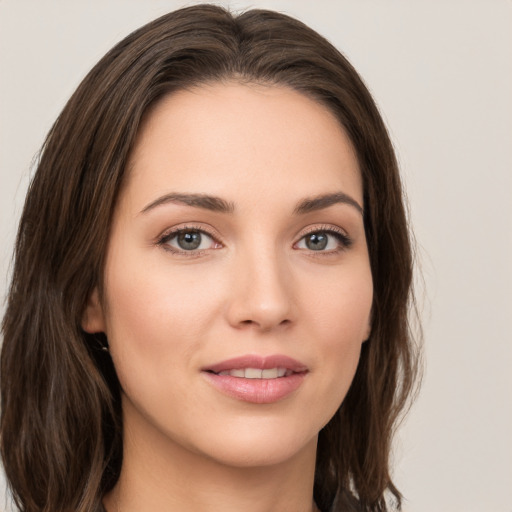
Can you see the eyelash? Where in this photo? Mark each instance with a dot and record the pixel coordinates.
(164, 240)
(342, 238)
(344, 241)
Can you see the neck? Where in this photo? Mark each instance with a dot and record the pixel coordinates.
(159, 475)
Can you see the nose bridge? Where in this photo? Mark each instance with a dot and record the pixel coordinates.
(262, 294)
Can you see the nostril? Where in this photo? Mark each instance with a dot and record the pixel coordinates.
(247, 322)
(265, 325)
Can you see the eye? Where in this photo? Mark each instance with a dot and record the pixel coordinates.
(327, 240)
(188, 240)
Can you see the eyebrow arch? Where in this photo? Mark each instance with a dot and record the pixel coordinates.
(324, 201)
(212, 203)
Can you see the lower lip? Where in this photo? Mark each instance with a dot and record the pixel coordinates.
(256, 391)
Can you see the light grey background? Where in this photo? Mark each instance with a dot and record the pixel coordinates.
(441, 72)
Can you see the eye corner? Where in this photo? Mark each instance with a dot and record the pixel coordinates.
(323, 238)
(189, 241)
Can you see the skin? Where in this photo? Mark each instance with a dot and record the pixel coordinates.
(254, 287)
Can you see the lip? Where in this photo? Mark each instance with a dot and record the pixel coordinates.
(257, 391)
(256, 361)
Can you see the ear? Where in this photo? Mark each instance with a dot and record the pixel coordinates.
(368, 331)
(93, 320)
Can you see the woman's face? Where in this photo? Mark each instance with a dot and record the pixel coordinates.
(237, 284)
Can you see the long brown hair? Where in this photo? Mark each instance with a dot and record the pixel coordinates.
(61, 431)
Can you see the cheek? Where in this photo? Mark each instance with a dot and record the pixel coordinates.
(340, 305)
(157, 319)
(341, 318)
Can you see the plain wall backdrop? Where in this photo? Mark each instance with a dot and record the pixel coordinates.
(441, 72)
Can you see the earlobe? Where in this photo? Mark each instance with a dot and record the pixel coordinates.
(92, 319)
(368, 331)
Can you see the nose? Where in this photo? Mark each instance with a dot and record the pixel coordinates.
(261, 292)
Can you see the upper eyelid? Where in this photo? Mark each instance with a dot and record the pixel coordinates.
(189, 227)
(321, 228)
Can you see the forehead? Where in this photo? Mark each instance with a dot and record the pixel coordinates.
(226, 138)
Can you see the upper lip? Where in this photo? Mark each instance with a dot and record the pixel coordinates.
(257, 361)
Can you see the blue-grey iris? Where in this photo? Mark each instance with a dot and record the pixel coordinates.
(189, 240)
(317, 241)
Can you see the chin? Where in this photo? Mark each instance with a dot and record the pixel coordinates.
(258, 444)
(261, 452)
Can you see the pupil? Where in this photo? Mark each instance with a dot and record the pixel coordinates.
(316, 241)
(189, 240)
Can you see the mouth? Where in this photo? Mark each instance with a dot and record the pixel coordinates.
(257, 373)
(257, 379)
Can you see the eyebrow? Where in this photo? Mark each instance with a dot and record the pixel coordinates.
(218, 204)
(212, 203)
(324, 201)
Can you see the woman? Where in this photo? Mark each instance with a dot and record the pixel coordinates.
(209, 309)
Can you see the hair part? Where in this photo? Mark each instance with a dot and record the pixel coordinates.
(61, 424)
